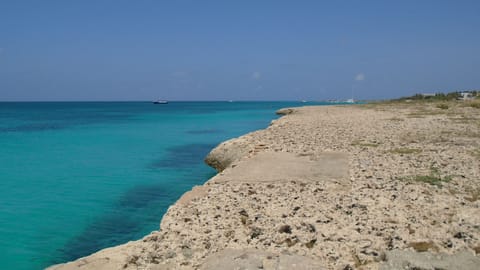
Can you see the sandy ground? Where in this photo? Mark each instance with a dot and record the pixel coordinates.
(376, 179)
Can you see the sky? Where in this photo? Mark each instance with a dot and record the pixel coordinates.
(236, 50)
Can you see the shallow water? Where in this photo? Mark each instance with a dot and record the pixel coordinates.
(77, 177)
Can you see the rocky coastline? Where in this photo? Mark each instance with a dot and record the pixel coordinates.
(376, 186)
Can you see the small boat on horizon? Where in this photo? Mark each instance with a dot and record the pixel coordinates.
(160, 101)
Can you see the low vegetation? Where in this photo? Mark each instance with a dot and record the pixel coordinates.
(434, 178)
(439, 96)
(464, 119)
(424, 113)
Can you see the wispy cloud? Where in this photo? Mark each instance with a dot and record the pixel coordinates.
(256, 75)
(360, 77)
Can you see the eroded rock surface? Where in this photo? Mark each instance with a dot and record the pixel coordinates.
(285, 111)
(257, 259)
(283, 166)
(409, 260)
(227, 153)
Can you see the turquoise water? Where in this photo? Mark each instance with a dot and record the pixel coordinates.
(79, 177)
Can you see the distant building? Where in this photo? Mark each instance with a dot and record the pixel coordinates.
(428, 94)
(465, 96)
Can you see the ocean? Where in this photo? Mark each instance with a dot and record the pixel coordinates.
(77, 177)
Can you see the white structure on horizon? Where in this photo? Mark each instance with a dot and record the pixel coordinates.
(465, 96)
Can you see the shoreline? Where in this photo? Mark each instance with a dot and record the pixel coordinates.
(403, 178)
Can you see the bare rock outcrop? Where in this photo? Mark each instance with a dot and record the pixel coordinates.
(285, 111)
(228, 152)
(231, 151)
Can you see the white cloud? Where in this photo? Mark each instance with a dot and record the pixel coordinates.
(256, 75)
(360, 77)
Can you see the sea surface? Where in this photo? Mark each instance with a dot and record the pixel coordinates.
(76, 177)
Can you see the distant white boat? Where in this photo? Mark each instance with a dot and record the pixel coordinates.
(350, 100)
(160, 101)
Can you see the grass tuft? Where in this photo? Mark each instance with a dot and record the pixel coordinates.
(434, 178)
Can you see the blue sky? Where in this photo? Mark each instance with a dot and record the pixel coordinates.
(240, 50)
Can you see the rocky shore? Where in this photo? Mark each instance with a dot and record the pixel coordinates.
(380, 186)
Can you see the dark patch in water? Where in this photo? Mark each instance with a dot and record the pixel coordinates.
(184, 156)
(141, 196)
(42, 116)
(67, 120)
(120, 225)
(33, 127)
(110, 230)
(124, 223)
(205, 131)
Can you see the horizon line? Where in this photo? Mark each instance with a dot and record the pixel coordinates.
(228, 101)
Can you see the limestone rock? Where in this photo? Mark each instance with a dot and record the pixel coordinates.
(227, 153)
(401, 260)
(251, 259)
(285, 111)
